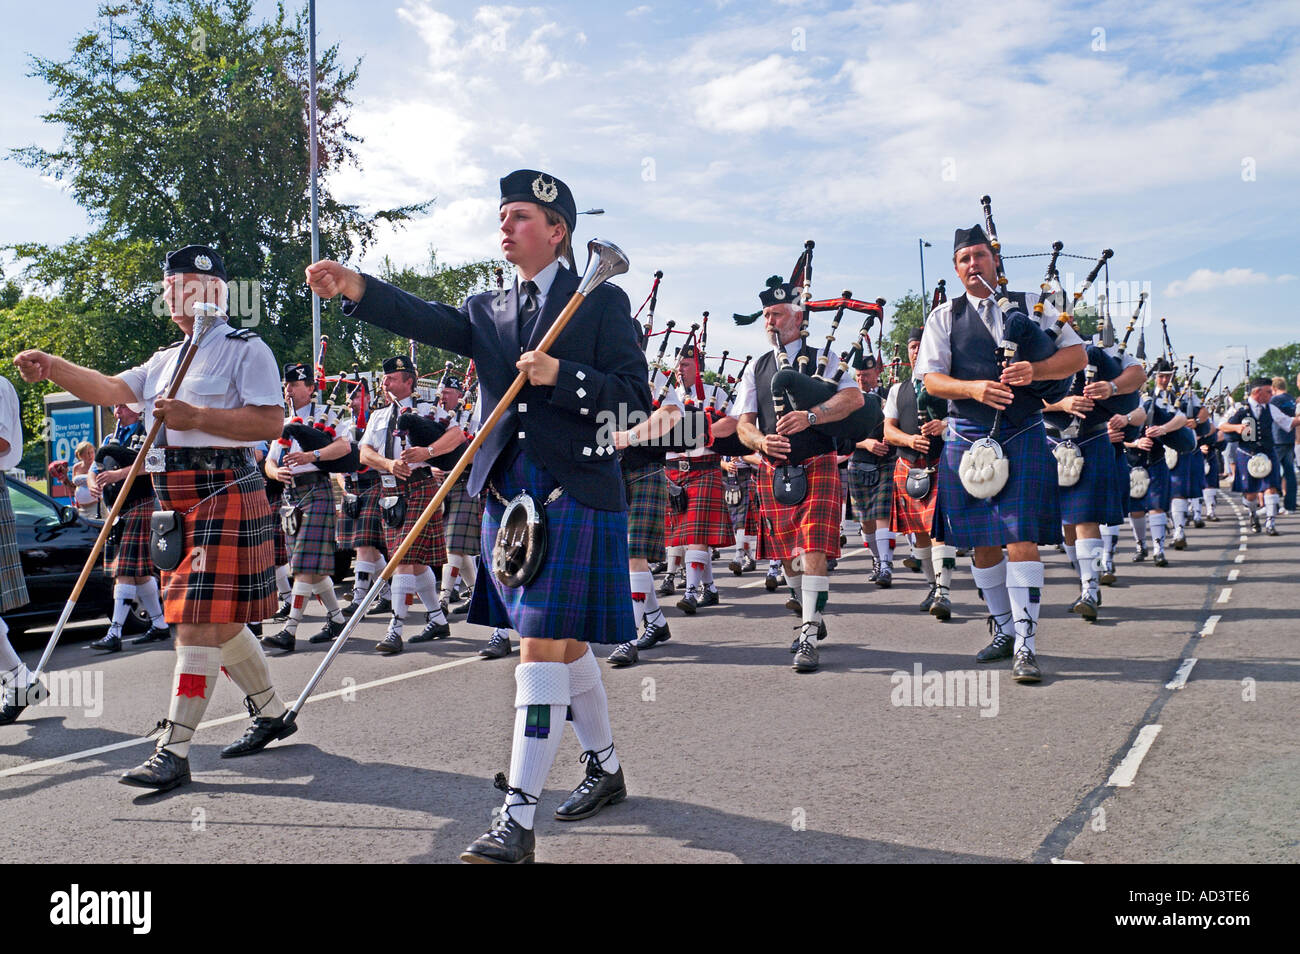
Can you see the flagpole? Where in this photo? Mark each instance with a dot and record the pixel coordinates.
(315, 171)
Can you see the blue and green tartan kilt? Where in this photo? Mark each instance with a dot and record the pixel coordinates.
(312, 548)
(647, 499)
(871, 490)
(1093, 499)
(1212, 474)
(1028, 508)
(463, 517)
(13, 585)
(582, 590)
(1242, 482)
(740, 512)
(126, 552)
(1182, 478)
(1158, 495)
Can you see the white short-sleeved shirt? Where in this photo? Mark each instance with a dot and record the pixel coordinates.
(377, 428)
(227, 372)
(712, 394)
(747, 396)
(311, 412)
(935, 355)
(11, 425)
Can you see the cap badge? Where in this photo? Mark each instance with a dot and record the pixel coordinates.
(546, 191)
(778, 293)
(203, 263)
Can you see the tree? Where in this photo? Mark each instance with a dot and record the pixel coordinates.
(1282, 362)
(189, 124)
(907, 315)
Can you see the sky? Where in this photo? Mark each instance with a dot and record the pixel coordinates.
(718, 137)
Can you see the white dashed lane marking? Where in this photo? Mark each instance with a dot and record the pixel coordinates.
(1126, 771)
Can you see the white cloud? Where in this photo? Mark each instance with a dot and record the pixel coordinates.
(765, 95)
(1204, 280)
(642, 10)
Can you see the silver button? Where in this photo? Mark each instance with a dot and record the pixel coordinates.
(586, 452)
(523, 408)
(580, 375)
(521, 434)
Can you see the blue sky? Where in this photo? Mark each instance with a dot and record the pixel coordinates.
(720, 136)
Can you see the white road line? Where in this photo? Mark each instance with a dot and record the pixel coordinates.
(847, 556)
(1239, 558)
(1208, 628)
(1180, 677)
(1232, 577)
(1126, 771)
(1065, 861)
(1242, 548)
(1225, 595)
(87, 753)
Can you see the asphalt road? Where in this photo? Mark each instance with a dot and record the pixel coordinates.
(730, 755)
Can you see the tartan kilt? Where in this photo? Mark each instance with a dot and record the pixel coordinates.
(312, 548)
(464, 519)
(1182, 479)
(582, 590)
(813, 526)
(126, 552)
(430, 547)
(1093, 498)
(1213, 475)
(871, 491)
(1158, 493)
(277, 539)
(226, 575)
(13, 585)
(1242, 482)
(1028, 508)
(910, 515)
(367, 530)
(647, 501)
(707, 522)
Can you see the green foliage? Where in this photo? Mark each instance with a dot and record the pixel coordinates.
(1281, 362)
(906, 316)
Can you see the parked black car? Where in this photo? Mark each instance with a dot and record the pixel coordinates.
(54, 541)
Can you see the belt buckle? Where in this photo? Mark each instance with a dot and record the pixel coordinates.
(684, 464)
(155, 461)
(388, 481)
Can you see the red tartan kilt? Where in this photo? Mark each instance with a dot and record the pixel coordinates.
(811, 526)
(707, 521)
(129, 556)
(226, 575)
(278, 541)
(430, 547)
(909, 514)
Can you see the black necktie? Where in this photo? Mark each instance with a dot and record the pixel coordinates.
(527, 311)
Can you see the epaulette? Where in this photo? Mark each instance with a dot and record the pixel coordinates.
(242, 334)
(174, 344)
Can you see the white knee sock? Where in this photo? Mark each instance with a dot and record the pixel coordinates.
(193, 680)
(945, 561)
(1090, 554)
(541, 701)
(245, 663)
(324, 590)
(924, 555)
(123, 594)
(992, 583)
(643, 587)
(14, 673)
(426, 584)
(1024, 588)
(403, 597)
(1178, 507)
(468, 569)
(885, 544)
(816, 591)
(450, 574)
(282, 584)
(1071, 554)
(302, 591)
(1110, 538)
(1159, 526)
(590, 711)
(795, 582)
(1196, 508)
(1139, 525)
(696, 560)
(147, 594)
(1208, 496)
(365, 576)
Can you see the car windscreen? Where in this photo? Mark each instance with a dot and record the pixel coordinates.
(29, 506)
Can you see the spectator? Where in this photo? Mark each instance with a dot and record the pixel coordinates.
(86, 494)
(1285, 442)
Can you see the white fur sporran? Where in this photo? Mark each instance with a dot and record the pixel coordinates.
(1171, 458)
(1069, 463)
(1138, 482)
(1259, 466)
(984, 469)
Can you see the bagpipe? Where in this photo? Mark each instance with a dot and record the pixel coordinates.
(114, 454)
(802, 388)
(418, 429)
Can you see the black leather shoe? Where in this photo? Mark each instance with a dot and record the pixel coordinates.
(885, 578)
(111, 643)
(498, 647)
(381, 607)
(689, 603)
(329, 632)
(390, 645)
(929, 598)
(282, 640)
(259, 735)
(598, 789)
(708, 597)
(624, 654)
(941, 608)
(874, 573)
(156, 634)
(1254, 523)
(162, 772)
(461, 608)
(821, 634)
(657, 568)
(736, 567)
(432, 630)
(667, 587)
(22, 698)
(1180, 541)
(999, 648)
(506, 843)
(770, 581)
(1025, 668)
(1272, 531)
(1107, 576)
(282, 611)
(831, 563)
(653, 635)
(747, 563)
(1139, 554)
(1199, 523)
(794, 605)
(1086, 607)
(1160, 559)
(912, 563)
(1212, 517)
(808, 658)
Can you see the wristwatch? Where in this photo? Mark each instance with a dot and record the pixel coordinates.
(316, 456)
(812, 419)
(1114, 388)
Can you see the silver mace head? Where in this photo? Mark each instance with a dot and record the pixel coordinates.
(604, 261)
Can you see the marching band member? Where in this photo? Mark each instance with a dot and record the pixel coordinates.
(871, 483)
(17, 688)
(1259, 473)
